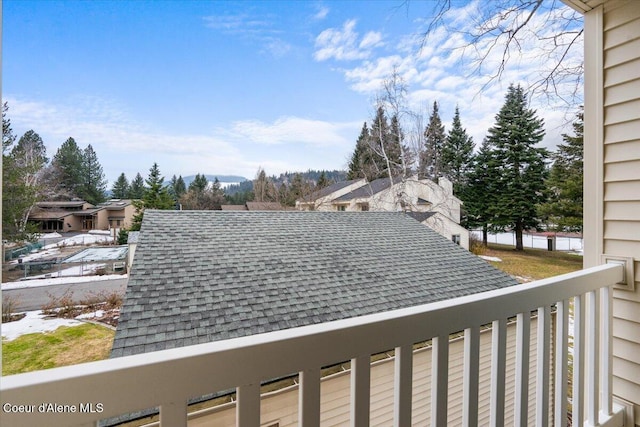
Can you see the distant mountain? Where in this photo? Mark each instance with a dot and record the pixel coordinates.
(225, 180)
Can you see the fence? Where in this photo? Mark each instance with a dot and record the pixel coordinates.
(529, 240)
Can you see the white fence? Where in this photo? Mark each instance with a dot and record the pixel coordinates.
(167, 379)
(562, 243)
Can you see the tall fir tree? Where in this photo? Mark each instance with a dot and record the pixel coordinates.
(136, 189)
(68, 169)
(8, 136)
(563, 211)
(177, 187)
(457, 154)
(479, 193)
(361, 160)
(514, 137)
(385, 146)
(434, 136)
(120, 188)
(155, 196)
(94, 184)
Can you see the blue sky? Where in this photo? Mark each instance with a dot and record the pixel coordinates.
(227, 87)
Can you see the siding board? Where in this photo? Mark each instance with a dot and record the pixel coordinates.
(620, 132)
(622, 73)
(624, 112)
(618, 55)
(622, 171)
(622, 230)
(622, 191)
(626, 349)
(621, 35)
(622, 211)
(619, 94)
(622, 151)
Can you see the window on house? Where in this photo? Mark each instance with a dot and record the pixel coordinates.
(456, 239)
(342, 208)
(364, 207)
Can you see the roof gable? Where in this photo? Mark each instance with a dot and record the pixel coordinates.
(202, 276)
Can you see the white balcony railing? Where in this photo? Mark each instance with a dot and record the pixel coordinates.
(167, 379)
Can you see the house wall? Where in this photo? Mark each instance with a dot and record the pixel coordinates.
(447, 228)
(612, 171)
(282, 407)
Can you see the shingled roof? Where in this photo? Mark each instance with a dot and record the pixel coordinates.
(202, 276)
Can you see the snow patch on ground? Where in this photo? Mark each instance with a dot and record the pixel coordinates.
(490, 258)
(34, 322)
(60, 281)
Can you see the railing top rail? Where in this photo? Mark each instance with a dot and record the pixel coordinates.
(150, 379)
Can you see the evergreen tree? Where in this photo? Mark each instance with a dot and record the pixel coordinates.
(361, 160)
(136, 189)
(199, 183)
(177, 187)
(201, 195)
(94, 183)
(120, 189)
(434, 137)
(322, 181)
(8, 137)
(565, 183)
(457, 154)
(522, 165)
(156, 195)
(385, 147)
(68, 167)
(479, 193)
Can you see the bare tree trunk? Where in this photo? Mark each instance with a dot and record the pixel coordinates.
(519, 243)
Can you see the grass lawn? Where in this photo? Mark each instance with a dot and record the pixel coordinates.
(532, 264)
(67, 345)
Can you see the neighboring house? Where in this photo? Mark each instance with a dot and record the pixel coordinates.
(79, 215)
(202, 276)
(403, 194)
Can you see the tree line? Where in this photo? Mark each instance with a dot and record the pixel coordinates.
(509, 182)
(29, 176)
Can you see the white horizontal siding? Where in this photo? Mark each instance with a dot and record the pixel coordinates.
(335, 396)
(621, 231)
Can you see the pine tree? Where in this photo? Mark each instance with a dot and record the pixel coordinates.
(136, 189)
(361, 160)
(68, 167)
(8, 137)
(322, 181)
(434, 136)
(479, 193)
(522, 165)
(385, 148)
(94, 183)
(177, 187)
(263, 188)
(120, 189)
(457, 154)
(156, 195)
(199, 183)
(564, 210)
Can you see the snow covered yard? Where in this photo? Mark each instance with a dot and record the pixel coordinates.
(33, 322)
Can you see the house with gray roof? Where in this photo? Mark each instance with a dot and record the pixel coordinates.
(202, 276)
(408, 194)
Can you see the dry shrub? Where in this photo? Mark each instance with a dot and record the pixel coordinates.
(476, 247)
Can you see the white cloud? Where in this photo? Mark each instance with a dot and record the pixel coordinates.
(294, 130)
(322, 13)
(342, 44)
(443, 67)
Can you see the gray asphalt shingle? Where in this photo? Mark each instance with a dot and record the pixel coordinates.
(202, 276)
